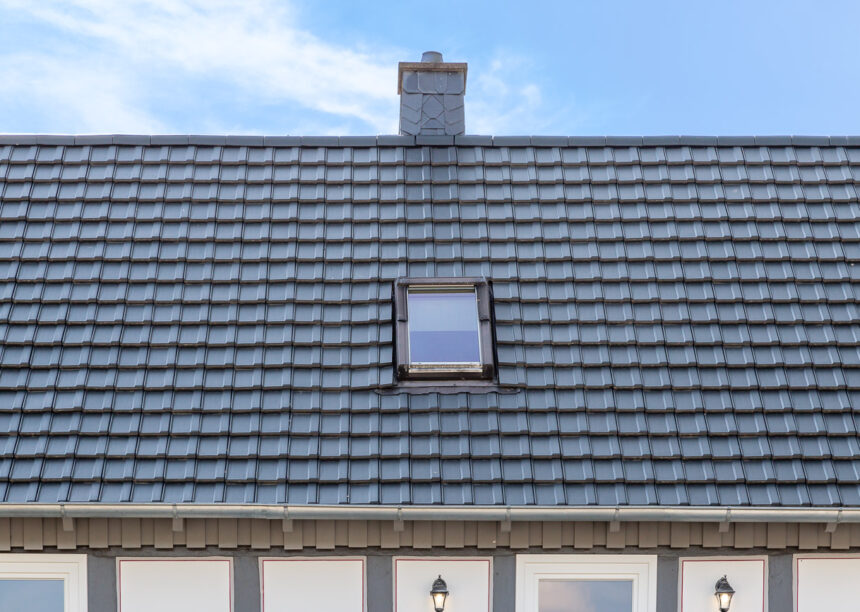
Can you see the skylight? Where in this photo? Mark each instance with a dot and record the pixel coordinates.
(443, 328)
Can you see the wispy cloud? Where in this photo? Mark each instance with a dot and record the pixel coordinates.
(75, 94)
(228, 66)
(120, 56)
(504, 98)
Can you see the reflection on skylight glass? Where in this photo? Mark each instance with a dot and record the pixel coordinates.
(443, 327)
(32, 595)
(585, 596)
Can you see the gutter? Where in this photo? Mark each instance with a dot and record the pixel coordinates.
(745, 514)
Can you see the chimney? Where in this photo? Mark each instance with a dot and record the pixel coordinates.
(431, 96)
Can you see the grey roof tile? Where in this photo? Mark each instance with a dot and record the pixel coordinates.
(750, 239)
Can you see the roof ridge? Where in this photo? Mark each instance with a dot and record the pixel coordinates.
(423, 140)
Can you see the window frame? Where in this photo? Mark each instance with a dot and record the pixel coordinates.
(641, 569)
(447, 371)
(71, 569)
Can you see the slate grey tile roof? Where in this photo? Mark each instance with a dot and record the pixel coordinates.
(208, 319)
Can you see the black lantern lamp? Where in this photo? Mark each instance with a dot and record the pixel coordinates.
(439, 591)
(723, 593)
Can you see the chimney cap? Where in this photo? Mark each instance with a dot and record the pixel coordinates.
(431, 57)
(431, 61)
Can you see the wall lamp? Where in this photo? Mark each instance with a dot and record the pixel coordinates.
(439, 591)
(723, 593)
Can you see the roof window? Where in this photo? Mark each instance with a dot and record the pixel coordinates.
(444, 328)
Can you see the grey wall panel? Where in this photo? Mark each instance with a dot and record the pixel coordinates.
(380, 590)
(667, 583)
(779, 583)
(504, 583)
(101, 582)
(246, 583)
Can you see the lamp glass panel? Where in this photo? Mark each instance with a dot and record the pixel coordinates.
(585, 596)
(37, 595)
(443, 326)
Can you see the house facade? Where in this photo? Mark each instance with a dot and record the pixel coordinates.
(559, 373)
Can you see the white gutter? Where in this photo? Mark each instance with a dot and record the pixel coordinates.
(438, 513)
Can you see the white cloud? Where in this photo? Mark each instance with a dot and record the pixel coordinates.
(503, 98)
(111, 77)
(75, 95)
(228, 66)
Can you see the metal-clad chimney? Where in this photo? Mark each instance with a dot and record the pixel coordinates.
(431, 96)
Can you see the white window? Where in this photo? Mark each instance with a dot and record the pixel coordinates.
(598, 583)
(746, 575)
(443, 327)
(826, 583)
(320, 584)
(468, 580)
(43, 583)
(161, 584)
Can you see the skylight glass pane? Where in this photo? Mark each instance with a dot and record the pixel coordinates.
(585, 596)
(443, 326)
(32, 595)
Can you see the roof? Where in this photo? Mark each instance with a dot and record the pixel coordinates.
(208, 320)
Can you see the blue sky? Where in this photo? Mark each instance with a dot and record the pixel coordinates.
(329, 67)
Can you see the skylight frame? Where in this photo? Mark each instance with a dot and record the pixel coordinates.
(405, 368)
